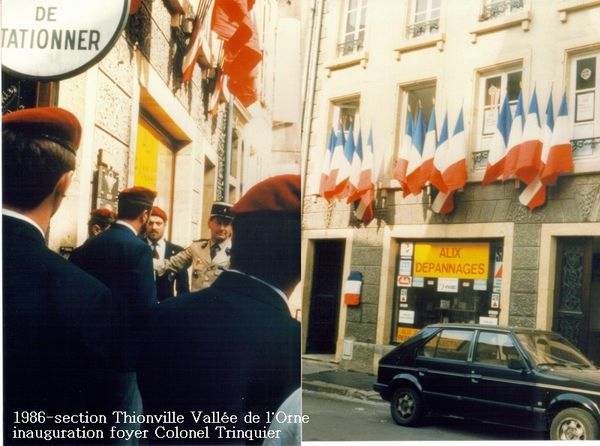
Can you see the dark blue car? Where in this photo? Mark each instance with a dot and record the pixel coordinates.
(514, 376)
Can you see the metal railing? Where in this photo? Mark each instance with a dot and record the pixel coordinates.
(422, 28)
(499, 8)
(349, 47)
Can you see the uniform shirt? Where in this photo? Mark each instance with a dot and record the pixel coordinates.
(161, 247)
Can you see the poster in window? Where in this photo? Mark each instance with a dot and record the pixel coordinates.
(406, 249)
(584, 106)
(405, 267)
(406, 317)
(490, 119)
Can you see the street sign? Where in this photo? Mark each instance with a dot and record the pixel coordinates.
(50, 40)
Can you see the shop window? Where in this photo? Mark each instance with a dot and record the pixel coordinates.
(500, 8)
(584, 97)
(449, 344)
(154, 163)
(353, 29)
(492, 89)
(446, 282)
(425, 17)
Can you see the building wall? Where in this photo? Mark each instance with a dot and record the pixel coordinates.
(542, 42)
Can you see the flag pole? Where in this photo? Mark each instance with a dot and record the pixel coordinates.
(228, 139)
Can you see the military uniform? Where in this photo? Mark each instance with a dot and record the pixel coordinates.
(205, 269)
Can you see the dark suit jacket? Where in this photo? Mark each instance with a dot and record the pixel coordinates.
(232, 347)
(123, 262)
(164, 283)
(56, 329)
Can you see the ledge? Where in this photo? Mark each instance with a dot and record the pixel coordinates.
(359, 58)
(521, 18)
(568, 6)
(438, 40)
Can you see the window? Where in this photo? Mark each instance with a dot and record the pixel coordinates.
(499, 8)
(20, 93)
(345, 113)
(493, 88)
(353, 36)
(449, 344)
(495, 348)
(421, 97)
(426, 18)
(584, 97)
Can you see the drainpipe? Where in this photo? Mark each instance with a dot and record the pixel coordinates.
(228, 139)
(311, 80)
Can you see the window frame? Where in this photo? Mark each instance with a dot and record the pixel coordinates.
(356, 43)
(425, 27)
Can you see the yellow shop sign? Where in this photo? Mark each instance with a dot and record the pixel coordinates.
(460, 260)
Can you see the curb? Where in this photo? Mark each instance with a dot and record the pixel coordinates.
(336, 389)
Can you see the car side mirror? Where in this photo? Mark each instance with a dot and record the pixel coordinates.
(516, 364)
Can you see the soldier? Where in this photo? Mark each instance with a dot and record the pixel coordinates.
(56, 317)
(207, 257)
(164, 249)
(100, 220)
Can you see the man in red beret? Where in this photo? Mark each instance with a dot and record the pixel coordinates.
(162, 249)
(100, 220)
(56, 317)
(234, 347)
(123, 262)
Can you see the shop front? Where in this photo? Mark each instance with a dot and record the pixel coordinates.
(446, 281)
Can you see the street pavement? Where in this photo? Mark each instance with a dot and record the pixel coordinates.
(343, 407)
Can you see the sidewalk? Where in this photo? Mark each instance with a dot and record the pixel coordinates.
(321, 375)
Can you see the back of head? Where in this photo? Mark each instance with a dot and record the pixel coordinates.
(133, 201)
(102, 218)
(38, 147)
(266, 231)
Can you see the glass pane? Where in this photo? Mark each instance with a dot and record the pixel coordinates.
(586, 73)
(351, 23)
(495, 348)
(421, 6)
(435, 14)
(352, 4)
(435, 4)
(514, 85)
(363, 18)
(429, 348)
(454, 344)
(492, 90)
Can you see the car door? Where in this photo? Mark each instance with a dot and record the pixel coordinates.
(499, 390)
(443, 370)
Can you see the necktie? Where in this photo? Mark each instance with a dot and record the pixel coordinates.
(213, 250)
(154, 251)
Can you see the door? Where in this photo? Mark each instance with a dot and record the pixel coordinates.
(498, 393)
(572, 293)
(325, 296)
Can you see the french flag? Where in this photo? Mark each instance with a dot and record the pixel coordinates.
(443, 203)
(495, 163)
(560, 155)
(338, 162)
(439, 158)
(355, 169)
(365, 178)
(455, 174)
(534, 194)
(528, 161)
(429, 149)
(514, 140)
(415, 158)
(366, 185)
(352, 288)
(326, 164)
(402, 161)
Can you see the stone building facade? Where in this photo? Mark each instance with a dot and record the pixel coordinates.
(375, 63)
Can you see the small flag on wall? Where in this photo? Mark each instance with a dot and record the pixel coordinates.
(352, 288)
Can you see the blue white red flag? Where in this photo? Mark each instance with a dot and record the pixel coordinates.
(530, 152)
(405, 146)
(326, 164)
(514, 140)
(560, 155)
(415, 158)
(439, 159)
(497, 153)
(429, 149)
(338, 160)
(355, 169)
(455, 173)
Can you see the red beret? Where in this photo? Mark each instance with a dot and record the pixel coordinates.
(53, 123)
(138, 194)
(276, 195)
(158, 212)
(103, 213)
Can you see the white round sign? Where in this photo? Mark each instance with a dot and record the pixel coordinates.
(56, 39)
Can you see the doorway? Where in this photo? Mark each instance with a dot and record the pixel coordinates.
(325, 297)
(577, 294)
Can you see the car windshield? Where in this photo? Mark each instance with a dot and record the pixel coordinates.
(551, 350)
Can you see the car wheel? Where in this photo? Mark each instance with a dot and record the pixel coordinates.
(574, 424)
(407, 406)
